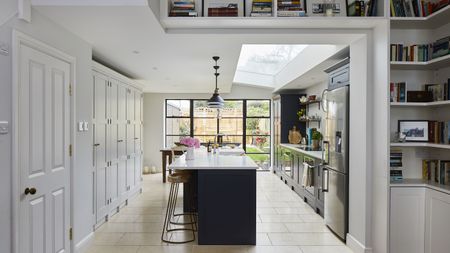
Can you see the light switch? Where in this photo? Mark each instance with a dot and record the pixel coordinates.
(4, 127)
(86, 126)
(80, 126)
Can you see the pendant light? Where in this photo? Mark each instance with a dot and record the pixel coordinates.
(216, 101)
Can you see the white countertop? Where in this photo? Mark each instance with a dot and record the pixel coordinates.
(207, 161)
(421, 183)
(295, 147)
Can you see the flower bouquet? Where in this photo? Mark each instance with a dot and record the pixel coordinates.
(190, 143)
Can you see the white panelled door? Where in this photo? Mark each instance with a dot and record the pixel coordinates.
(43, 152)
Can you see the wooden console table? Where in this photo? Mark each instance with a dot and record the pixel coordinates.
(167, 158)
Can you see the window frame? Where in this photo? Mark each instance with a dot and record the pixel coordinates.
(244, 118)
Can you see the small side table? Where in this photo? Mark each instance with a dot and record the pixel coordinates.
(167, 153)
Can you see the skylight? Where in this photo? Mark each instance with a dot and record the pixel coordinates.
(267, 59)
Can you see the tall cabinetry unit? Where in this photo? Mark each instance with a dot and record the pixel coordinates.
(417, 206)
(117, 129)
(285, 108)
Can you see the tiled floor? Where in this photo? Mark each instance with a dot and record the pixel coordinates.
(285, 224)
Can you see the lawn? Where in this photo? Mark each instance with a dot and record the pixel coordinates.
(257, 157)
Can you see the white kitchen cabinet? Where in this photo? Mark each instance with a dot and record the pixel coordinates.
(437, 230)
(407, 220)
(116, 142)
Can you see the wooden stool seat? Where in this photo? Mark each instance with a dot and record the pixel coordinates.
(178, 178)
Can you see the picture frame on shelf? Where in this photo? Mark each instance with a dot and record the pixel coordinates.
(323, 8)
(437, 90)
(224, 8)
(414, 130)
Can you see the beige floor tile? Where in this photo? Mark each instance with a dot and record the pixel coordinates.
(271, 227)
(150, 218)
(272, 204)
(274, 249)
(120, 217)
(219, 249)
(325, 249)
(107, 238)
(112, 249)
(141, 239)
(312, 227)
(294, 210)
(262, 239)
(308, 239)
(280, 218)
(166, 249)
(266, 210)
(312, 218)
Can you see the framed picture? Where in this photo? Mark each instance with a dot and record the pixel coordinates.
(224, 8)
(437, 90)
(322, 8)
(414, 130)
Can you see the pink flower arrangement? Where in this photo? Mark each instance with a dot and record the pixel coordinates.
(190, 142)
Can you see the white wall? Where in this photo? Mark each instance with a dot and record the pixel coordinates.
(154, 116)
(50, 33)
(8, 8)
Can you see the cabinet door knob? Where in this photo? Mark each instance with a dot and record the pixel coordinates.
(30, 191)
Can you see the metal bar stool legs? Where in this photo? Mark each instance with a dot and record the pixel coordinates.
(175, 180)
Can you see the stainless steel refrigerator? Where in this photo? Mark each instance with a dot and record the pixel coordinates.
(335, 159)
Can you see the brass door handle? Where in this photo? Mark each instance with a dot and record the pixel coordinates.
(30, 191)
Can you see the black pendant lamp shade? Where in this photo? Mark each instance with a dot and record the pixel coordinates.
(216, 101)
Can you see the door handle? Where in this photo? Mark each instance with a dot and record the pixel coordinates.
(136, 138)
(325, 179)
(30, 191)
(119, 140)
(96, 144)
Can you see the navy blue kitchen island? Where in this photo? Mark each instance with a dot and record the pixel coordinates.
(223, 189)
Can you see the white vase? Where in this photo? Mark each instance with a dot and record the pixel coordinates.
(190, 153)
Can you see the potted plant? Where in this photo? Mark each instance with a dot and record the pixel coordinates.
(301, 114)
(316, 138)
(190, 143)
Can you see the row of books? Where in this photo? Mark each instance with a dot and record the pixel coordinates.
(436, 171)
(396, 165)
(261, 8)
(416, 8)
(364, 8)
(421, 52)
(398, 92)
(183, 8)
(230, 10)
(439, 92)
(290, 8)
(439, 132)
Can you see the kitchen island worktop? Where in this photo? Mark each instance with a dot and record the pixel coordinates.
(222, 190)
(208, 161)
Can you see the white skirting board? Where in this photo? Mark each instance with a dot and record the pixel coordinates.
(82, 245)
(356, 246)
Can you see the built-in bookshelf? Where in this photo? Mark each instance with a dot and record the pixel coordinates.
(415, 75)
(246, 20)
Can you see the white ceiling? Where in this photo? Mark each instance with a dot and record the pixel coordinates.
(165, 63)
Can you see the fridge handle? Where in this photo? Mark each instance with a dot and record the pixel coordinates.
(326, 152)
(325, 179)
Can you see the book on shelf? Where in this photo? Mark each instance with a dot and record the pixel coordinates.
(396, 165)
(362, 8)
(291, 8)
(437, 171)
(261, 8)
(398, 92)
(183, 8)
(416, 8)
(220, 10)
(438, 132)
(420, 52)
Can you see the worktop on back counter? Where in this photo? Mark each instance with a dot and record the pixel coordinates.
(298, 148)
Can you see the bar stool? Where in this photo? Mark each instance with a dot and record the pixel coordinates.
(175, 180)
